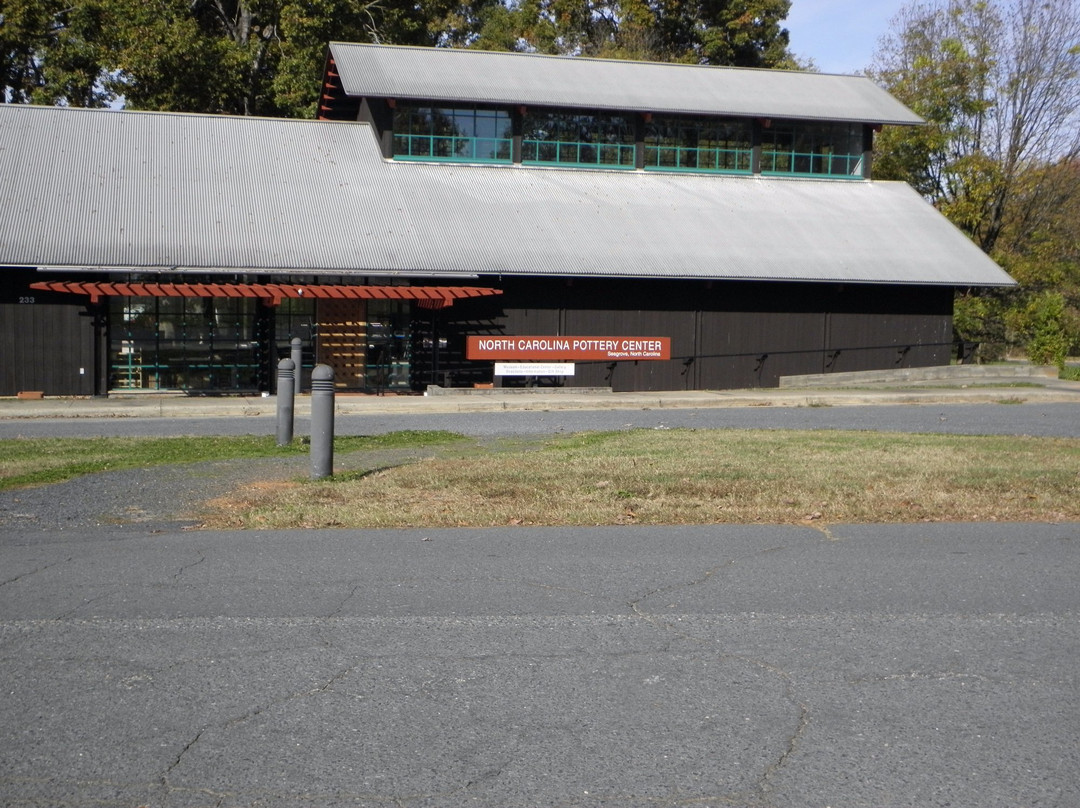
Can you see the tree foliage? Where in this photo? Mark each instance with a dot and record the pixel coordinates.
(998, 82)
(73, 35)
(250, 57)
(242, 57)
(745, 33)
(265, 57)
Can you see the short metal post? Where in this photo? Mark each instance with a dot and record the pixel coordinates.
(285, 402)
(322, 422)
(297, 353)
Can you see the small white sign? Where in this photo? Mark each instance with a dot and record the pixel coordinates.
(534, 368)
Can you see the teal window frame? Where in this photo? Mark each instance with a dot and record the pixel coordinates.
(576, 153)
(812, 150)
(699, 145)
(388, 364)
(452, 134)
(850, 164)
(556, 138)
(166, 343)
(701, 160)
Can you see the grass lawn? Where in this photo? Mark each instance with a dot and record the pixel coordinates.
(679, 476)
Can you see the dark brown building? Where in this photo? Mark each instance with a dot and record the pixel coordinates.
(447, 194)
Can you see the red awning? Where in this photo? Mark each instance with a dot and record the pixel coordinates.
(431, 297)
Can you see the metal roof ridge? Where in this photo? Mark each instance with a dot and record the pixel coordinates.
(602, 59)
(168, 113)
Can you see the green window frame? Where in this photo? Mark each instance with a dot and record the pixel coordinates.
(709, 145)
(584, 139)
(813, 150)
(388, 364)
(455, 134)
(177, 343)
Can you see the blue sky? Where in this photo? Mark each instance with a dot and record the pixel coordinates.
(839, 35)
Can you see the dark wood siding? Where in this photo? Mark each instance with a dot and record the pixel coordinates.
(884, 341)
(46, 340)
(645, 375)
(883, 327)
(740, 349)
(724, 334)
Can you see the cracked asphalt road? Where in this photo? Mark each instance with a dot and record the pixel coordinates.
(143, 664)
(915, 665)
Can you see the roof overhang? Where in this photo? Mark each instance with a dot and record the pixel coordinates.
(142, 192)
(355, 70)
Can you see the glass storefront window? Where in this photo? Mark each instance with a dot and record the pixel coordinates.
(174, 343)
(388, 358)
(295, 317)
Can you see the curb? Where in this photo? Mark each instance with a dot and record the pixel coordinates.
(254, 407)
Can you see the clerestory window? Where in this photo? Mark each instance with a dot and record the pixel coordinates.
(698, 144)
(467, 134)
(597, 139)
(812, 149)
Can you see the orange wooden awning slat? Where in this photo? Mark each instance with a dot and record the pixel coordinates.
(436, 297)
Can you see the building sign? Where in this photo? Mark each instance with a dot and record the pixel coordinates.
(520, 349)
(534, 368)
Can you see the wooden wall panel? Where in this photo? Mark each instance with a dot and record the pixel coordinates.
(342, 341)
(886, 341)
(730, 334)
(754, 349)
(47, 347)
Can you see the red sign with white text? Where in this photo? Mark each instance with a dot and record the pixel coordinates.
(567, 349)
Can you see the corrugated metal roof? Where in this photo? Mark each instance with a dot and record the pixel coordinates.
(446, 74)
(94, 188)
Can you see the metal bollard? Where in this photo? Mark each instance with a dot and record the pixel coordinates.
(285, 402)
(322, 422)
(297, 353)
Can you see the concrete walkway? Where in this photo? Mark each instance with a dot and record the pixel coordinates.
(959, 384)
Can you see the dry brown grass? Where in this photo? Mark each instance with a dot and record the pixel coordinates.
(692, 477)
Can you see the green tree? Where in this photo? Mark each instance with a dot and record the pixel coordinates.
(746, 33)
(265, 57)
(177, 55)
(241, 57)
(998, 82)
(1042, 327)
(1042, 251)
(53, 51)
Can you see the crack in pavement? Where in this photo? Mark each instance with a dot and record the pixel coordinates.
(229, 723)
(86, 602)
(491, 773)
(802, 723)
(753, 790)
(180, 757)
(341, 605)
(186, 567)
(22, 575)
